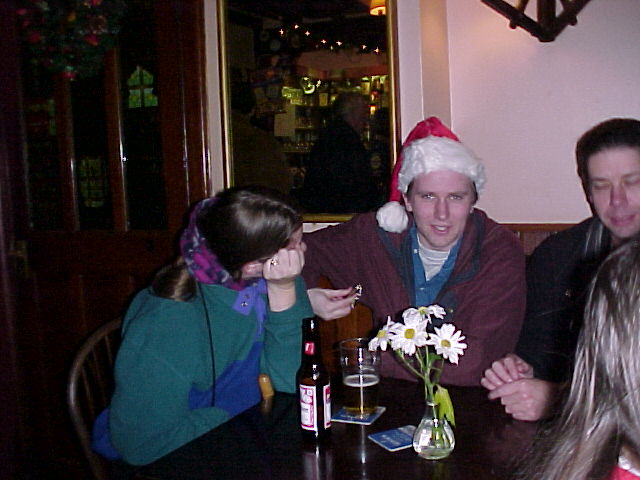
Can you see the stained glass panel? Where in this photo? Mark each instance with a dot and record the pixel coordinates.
(43, 172)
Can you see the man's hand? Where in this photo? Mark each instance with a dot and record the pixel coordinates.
(528, 399)
(330, 304)
(525, 398)
(506, 370)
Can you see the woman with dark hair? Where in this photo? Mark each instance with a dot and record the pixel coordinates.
(597, 435)
(194, 343)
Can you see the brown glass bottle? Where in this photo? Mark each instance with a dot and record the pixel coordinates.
(314, 386)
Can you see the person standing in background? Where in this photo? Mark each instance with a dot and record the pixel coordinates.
(339, 177)
(258, 157)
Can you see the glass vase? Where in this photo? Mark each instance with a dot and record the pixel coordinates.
(433, 439)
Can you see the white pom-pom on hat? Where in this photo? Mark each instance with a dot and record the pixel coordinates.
(392, 217)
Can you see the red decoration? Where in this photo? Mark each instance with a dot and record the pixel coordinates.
(70, 36)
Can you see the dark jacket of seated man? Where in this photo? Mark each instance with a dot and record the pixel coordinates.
(558, 275)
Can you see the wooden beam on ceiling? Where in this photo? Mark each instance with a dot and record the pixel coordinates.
(548, 25)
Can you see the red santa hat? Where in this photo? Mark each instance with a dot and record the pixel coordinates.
(429, 147)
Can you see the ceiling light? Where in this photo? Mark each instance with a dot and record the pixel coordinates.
(378, 7)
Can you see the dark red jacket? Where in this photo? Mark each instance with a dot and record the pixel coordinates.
(484, 296)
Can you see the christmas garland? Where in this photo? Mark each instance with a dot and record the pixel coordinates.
(70, 36)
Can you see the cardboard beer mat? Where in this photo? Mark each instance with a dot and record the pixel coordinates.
(394, 439)
(343, 416)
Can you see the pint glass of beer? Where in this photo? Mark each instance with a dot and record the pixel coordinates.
(360, 376)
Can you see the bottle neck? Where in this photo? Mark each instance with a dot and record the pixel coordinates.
(309, 348)
(311, 339)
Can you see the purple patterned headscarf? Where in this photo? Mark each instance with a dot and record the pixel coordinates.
(202, 263)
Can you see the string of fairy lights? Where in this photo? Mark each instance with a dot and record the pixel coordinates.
(298, 36)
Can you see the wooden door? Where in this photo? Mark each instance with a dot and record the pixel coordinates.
(111, 163)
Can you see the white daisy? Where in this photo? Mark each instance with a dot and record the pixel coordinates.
(384, 336)
(437, 311)
(413, 315)
(448, 342)
(411, 334)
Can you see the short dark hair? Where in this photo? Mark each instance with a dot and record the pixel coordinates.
(612, 133)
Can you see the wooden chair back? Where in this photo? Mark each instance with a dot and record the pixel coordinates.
(90, 386)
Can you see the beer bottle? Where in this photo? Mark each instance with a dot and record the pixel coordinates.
(314, 385)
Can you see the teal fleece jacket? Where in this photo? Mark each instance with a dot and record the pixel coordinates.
(163, 370)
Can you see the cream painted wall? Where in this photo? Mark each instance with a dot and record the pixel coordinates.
(423, 73)
(410, 84)
(521, 104)
(214, 103)
(518, 103)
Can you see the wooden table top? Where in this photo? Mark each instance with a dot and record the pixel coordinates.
(269, 446)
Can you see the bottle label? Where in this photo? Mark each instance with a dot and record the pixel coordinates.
(308, 402)
(309, 348)
(326, 393)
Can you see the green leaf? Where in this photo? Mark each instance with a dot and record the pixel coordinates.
(433, 357)
(444, 404)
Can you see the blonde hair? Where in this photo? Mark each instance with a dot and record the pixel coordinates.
(602, 409)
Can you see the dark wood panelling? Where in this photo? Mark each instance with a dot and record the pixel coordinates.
(80, 279)
(531, 234)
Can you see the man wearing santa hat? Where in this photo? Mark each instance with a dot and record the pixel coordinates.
(428, 245)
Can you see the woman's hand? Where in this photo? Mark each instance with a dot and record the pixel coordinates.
(330, 304)
(280, 272)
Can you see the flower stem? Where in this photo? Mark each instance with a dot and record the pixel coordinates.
(408, 364)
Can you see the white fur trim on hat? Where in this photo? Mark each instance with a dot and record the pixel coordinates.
(433, 154)
(392, 217)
